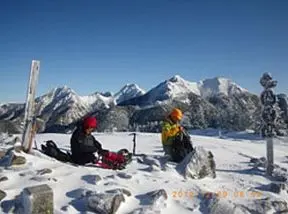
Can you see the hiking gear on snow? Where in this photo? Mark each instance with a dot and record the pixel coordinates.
(113, 160)
(103, 159)
(169, 131)
(83, 146)
(52, 150)
(89, 122)
(176, 114)
(181, 147)
(127, 155)
(167, 149)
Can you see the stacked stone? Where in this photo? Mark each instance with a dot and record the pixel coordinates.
(269, 115)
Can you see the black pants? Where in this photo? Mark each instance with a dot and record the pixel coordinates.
(84, 158)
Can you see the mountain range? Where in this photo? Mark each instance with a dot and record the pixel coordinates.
(216, 102)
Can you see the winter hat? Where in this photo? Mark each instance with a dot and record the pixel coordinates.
(89, 122)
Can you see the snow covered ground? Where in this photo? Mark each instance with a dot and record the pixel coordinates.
(236, 182)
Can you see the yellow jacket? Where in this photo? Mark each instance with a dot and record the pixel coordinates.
(169, 131)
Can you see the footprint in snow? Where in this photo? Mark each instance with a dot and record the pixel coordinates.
(22, 174)
(111, 184)
(110, 177)
(124, 175)
(91, 179)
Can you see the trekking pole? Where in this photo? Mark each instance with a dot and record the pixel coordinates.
(134, 143)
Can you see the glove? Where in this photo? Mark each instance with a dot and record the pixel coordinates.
(103, 151)
(181, 129)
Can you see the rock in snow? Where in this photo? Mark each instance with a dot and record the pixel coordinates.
(2, 195)
(198, 164)
(105, 203)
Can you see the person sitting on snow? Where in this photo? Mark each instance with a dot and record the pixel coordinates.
(83, 143)
(176, 143)
(84, 146)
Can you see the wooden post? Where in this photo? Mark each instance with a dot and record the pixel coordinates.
(30, 117)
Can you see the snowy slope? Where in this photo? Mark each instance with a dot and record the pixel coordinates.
(57, 97)
(93, 99)
(127, 92)
(11, 110)
(217, 85)
(61, 102)
(184, 196)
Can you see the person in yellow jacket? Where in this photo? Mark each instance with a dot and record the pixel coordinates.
(175, 140)
(170, 129)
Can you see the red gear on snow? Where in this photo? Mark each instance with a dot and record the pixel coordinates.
(111, 160)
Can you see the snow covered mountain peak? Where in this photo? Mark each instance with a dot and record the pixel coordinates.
(179, 86)
(131, 87)
(176, 78)
(127, 92)
(60, 92)
(219, 85)
(174, 87)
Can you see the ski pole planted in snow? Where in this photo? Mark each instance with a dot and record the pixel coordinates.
(134, 143)
(268, 100)
(29, 117)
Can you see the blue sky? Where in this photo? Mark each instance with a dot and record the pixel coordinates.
(94, 45)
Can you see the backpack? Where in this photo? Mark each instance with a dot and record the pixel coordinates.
(53, 151)
(181, 146)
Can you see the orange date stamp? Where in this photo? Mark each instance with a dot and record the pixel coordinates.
(219, 194)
